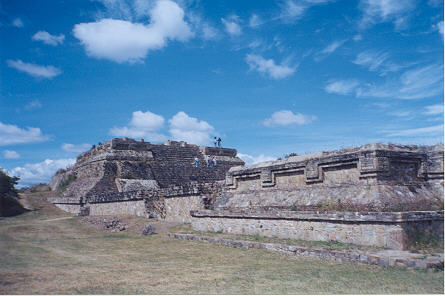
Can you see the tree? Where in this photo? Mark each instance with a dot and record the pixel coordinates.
(9, 205)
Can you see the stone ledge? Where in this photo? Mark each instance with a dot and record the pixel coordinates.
(382, 217)
(65, 200)
(384, 258)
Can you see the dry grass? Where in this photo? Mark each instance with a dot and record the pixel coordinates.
(69, 257)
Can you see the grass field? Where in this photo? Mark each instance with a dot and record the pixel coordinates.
(43, 253)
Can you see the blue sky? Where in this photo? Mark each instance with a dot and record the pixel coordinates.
(268, 77)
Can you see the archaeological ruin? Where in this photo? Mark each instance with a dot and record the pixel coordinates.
(377, 195)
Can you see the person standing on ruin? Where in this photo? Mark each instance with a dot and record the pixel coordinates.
(196, 161)
(219, 142)
(214, 141)
(213, 161)
(208, 161)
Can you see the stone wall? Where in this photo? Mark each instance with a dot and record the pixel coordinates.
(70, 208)
(390, 230)
(132, 208)
(178, 208)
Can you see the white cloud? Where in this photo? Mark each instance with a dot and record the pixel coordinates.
(124, 41)
(292, 10)
(423, 131)
(34, 104)
(33, 173)
(255, 21)
(370, 59)
(342, 87)
(76, 148)
(434, 109)
(10, 154)
(439, 28)
(34, 70)
(142, 125)
(249, 159)
(18, 23)
(357, 37)
(190, 129)
(209, 32)
(422, 82)
(12, 134)
(268, 67)
(401, 113)
(333, 46)
(377, 11)
(232, 26)
(329, 49)
(287, 117)
(49, 39)
(376, 62)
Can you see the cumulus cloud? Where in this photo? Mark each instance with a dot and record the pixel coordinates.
(10, 154)
(342, 87)
(377, 11)
(268, 67)
(34, 70)
(142, 125)
(434, 109)
(18, 23)
(34, 173)
(12, 135)
(249, 159)
(287, 117)
(232, 26)
(123, 41)
(75, 148)
(49, 39)
(190, 129)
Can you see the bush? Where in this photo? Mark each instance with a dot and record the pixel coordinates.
(9, 205)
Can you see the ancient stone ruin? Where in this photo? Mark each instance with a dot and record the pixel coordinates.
(378, 195)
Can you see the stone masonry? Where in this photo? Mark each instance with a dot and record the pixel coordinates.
(125, 176)
(379, 195)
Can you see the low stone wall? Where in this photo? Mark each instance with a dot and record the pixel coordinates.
(133, 207)
(383, 258)
(391, 230)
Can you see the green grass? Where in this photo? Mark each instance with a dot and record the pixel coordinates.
(67, 257)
